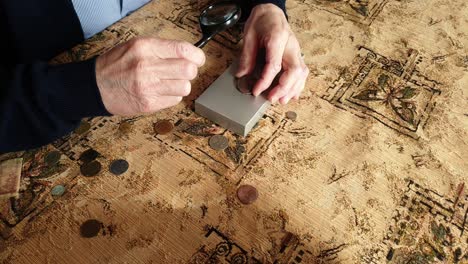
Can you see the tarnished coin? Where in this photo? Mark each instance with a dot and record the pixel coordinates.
(125, 127)
(90, 228)
(247, 194)
(89, 155)
(91, 168)
(84, 126)
(52, 158)
(291, 115)
(245, 84)
(57, 190)
(218, 142)
(163, 127)
(118, 167)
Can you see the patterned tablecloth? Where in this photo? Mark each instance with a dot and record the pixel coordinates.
(373, 170)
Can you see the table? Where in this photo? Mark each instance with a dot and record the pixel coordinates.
(372, 170)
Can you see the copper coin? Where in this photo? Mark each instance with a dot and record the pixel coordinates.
(218, 142)
(291, 115)
(89, 155)
(247, 194)
(91, 168)
(90, 228)
(52, 157)
(118, 167)
(163, 127)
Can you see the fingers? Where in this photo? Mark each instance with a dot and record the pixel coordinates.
(294, 73)
(287, 81)
(248, 55)
(153, 104)
(275, 46)
(165, 102)
(170, 49)
(173, 69)
(297, 89)
(173, 88)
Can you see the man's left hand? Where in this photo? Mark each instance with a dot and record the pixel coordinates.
(267, 27)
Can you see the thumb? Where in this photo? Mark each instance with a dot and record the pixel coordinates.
(248, 55)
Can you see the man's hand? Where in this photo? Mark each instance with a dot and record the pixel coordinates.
(267, 27)
(145, 75)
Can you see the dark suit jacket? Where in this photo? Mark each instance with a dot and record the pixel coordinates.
(39, 102)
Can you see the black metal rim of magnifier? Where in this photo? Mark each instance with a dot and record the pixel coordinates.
(209, 31)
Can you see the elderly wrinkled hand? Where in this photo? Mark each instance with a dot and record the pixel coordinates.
(145, 75)
(267, 27)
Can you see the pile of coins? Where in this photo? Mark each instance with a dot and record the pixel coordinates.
(90, 166)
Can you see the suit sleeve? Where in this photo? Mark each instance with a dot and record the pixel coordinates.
(247, 6)
(40, 102)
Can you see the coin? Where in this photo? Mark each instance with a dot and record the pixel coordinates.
(163, 127)
(125, 127)
(84, 126)
(90, 228)
(218, 142)
(118, 167)
(245, 84)
(91, 168)
(247, 194)
(291, 115)
(52, 158)
(89, 155)
(57, 190)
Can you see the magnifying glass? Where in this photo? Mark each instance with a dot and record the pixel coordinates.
(215, 18)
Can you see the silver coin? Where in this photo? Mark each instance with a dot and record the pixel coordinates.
(218, 142)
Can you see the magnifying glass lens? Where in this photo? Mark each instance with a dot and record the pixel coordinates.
(218, 14)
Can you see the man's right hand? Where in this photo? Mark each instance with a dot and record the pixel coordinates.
(145, 75)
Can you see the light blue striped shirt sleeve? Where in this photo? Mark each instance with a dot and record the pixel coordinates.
(96, 15)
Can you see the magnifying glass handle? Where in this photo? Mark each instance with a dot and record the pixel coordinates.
(206, 37)
(202, 42)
